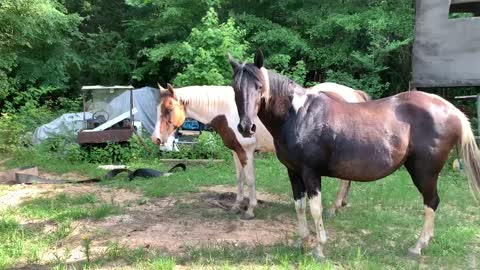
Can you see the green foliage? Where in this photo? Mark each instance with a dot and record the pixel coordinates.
(16, 129)
(36, 46)
(297, 72)
(158, 29)
(111, 153)
(106, 58)
(355, 38)
(10, 132)
(205, 50)
(207, 146)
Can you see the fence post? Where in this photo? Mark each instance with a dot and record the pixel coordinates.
(478, 115)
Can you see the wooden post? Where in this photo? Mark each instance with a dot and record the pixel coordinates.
(478, 114)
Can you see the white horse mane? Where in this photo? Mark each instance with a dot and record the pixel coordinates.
(206, 96)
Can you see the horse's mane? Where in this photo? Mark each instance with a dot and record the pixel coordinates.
(205, 96)
(364, 95)
(280, 85)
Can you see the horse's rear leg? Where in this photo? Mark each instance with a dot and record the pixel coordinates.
(425, 175)
(249, 170)
(240, 180)
(341, 199)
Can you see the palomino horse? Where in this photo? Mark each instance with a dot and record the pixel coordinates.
(216, 105)
(319, 135)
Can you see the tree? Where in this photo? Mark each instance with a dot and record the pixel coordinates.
(203, 54)
(36, 50)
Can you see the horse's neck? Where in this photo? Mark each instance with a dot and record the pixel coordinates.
(204, 103)
(205, 114)
(274, 114)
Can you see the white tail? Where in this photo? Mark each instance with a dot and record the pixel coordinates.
(470, 155)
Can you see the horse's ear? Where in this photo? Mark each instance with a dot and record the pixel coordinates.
(161, 88)
(171, 90)
(259, 59)
(232, 61)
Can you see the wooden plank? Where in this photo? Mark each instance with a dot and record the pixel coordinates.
(466, 97)
(455, 2)
(478, 114)
(192, 161)
(111, 135)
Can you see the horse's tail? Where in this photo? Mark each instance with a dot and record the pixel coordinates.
(470, 155)
(363, 95)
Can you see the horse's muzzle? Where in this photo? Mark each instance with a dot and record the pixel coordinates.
(247, 129)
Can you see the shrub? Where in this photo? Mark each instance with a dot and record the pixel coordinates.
(208, 145)
(16, 129)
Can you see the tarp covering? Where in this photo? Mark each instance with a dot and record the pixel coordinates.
(144, 99)
(67, 124)
(446, 51)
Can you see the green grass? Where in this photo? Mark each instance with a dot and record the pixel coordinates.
(384, 219)
(65, 207)
(21, 228)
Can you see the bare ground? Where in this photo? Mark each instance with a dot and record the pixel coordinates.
(171, 224)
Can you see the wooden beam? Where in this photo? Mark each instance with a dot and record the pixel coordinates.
(192, 161)
(478, 114)
(467, 97)
(455, 2)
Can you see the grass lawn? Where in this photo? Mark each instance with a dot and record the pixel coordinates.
(383, 219)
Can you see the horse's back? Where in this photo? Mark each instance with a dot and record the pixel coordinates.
(377, 136)
(427, 119)
(344, 93)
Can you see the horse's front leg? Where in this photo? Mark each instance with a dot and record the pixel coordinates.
(314, 187)
(300, 206)
(240, 179)
(250, 178)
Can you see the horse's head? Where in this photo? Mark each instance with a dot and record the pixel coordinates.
(170, 115)
(250, 86)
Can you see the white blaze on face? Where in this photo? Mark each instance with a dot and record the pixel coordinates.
(156, 130)
(169, 145)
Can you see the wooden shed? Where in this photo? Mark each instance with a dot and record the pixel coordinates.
(446, 50)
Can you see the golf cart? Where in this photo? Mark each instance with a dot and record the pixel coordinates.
(104, 120)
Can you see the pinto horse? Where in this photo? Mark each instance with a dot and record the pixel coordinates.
(316, 134)
(215, 105)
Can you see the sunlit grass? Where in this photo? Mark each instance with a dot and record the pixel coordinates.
(382, 221)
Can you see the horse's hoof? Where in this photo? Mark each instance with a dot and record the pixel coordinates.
(328, 213)
(235, 210)
(414, 253)
(318, 254)
(301, 244)
(247, 216)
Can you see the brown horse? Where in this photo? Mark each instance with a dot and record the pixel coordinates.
(318, 135)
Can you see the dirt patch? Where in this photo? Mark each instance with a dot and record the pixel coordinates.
(175, 224)
(18, 194)
(65, 176)
(170, 224)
